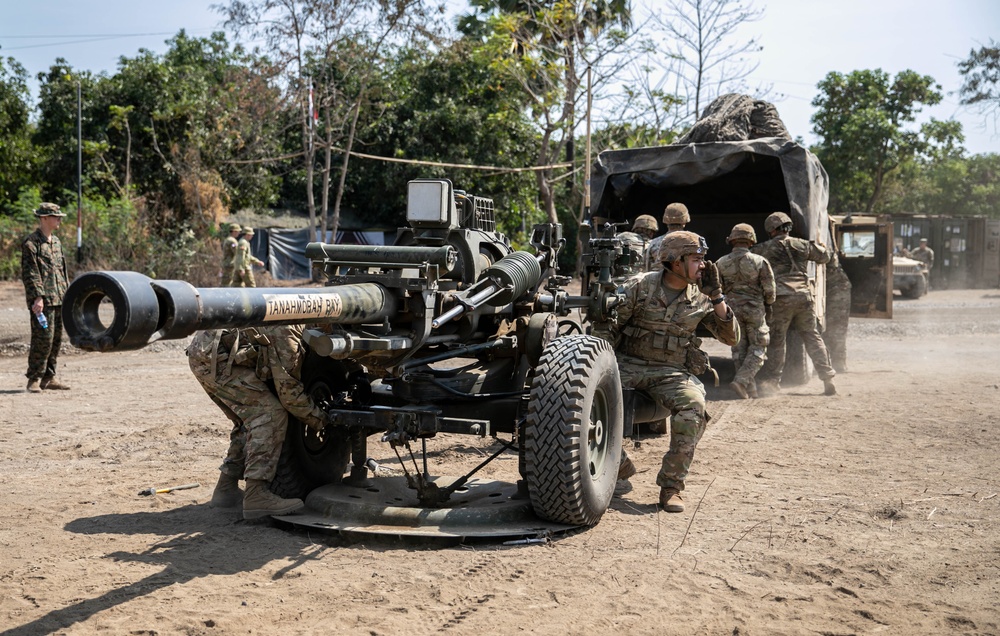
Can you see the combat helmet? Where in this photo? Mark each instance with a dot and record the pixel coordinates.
(776, 220)
(677, 245)
(742, 232)
(645, 222)
(676, 214)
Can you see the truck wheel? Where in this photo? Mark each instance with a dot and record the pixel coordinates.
(309, 458)
(573, 430)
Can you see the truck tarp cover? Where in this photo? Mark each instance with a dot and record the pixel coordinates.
(740, 179)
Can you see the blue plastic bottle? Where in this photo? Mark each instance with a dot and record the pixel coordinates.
(42, 320)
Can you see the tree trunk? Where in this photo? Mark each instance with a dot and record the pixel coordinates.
(334, 226)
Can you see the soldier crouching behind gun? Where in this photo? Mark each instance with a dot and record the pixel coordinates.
(233, 367)
(660, 354)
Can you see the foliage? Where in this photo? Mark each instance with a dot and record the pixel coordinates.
(448, 107)
(181, 130)
(862, 120)
(952, 186)
(981, 80)
(17, 223)
(546, 47)
(17, 157)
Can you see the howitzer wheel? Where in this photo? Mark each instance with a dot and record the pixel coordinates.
(573, 432)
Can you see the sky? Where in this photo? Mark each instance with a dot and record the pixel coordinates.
(803, 40)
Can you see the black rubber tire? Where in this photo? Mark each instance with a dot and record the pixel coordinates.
(310, 459)
(916, 290)
(573, 430)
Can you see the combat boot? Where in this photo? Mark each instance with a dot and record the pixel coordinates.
(739, 390)
(670, 500)
(33, 386)
(828, 388)
(626, 468)
(260, 502)
(227, 492)
(49, 383)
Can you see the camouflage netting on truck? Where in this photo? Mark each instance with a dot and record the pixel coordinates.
(735, 117)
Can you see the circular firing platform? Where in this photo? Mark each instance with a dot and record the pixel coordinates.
(481, 509)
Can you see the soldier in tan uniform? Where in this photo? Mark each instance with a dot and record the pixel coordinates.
(43, 272)
(659, 352)
(794, 305)
(748, 281)
(229, 245)
(925, 255)
(233, 366)
(675, 217)
(243, 262)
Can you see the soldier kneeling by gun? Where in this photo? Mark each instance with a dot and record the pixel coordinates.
(233, 366)
(658, 352)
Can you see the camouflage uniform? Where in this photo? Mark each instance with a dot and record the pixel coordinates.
(748, 281)
(43, 272)
(229, 245)
(657, 326)
(838, 312)
(243, 262)
(233, 366)
(794, 304)
(925, 255)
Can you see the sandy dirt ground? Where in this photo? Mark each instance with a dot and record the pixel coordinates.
(875, 511)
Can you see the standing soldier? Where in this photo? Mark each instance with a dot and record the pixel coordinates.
(925, 255)
(675, 217)
(43, 272)
(229, 253)
(750, 290)
(794, 306)
(233, 366)
(243, 262)
(660, 353)
(838, 312)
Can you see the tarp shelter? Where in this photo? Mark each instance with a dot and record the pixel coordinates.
(284, 250)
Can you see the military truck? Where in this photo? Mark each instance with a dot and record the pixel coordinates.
(448, 330)
(723, 183)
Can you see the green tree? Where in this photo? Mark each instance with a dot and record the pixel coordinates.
(981, 80)
(184, 131)
(864, 123)
(17, 158)
(546, 46)
(313, 44)
(448, 106)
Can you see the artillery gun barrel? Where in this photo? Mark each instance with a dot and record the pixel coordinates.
(143, 310)
(397, 256)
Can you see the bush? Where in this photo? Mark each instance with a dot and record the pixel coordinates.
(117, 235)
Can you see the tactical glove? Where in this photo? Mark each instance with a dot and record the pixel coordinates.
(711, 283)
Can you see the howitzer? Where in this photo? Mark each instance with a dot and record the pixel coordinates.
(448, 330)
